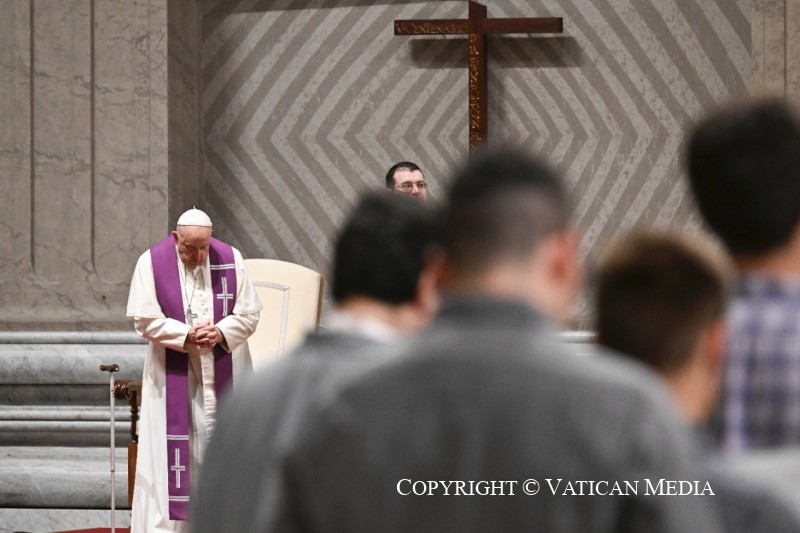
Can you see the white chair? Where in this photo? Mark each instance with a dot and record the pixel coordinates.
(291, 296)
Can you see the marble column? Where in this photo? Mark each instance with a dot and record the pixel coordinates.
(83, 157)
(776, 48)
(185, 107)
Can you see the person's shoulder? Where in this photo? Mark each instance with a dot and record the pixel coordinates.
(217, 242)
(533, 366)
(339, 356)
(321, 355)
(608, 366)
(749, 504)
(778, 468)
(145, 260)
(532, 356)
(146, 255)
(262, 391)
(620, 384)
(324, 342)
(345, 363)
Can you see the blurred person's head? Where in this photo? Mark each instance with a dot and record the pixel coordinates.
(508, 233)
(744, 170)
(382, 260)
(660, 299)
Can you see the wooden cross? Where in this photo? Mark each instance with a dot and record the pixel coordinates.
(477, 27)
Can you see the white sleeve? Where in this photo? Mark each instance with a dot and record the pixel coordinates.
(148, 319)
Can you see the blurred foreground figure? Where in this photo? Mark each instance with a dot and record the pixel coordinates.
(486, 421)
(744, 170)
(384, 291)
(661, 300)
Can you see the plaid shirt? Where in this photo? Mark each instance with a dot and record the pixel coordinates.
(760, 404)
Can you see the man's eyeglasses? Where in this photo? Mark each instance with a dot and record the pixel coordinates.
(409, 186)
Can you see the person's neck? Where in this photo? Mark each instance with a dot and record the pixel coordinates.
(781, 263)
(403, 318)
(690, 397)
(509, 282)
(695, 385)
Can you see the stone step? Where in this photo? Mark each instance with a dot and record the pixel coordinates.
(62, 477)
(68, 364)
(63, 412)
(62, 425)
(15, 519)
(79, 435)
(53, 393)
(55, 457)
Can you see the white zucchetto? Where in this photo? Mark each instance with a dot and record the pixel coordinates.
(194, 217)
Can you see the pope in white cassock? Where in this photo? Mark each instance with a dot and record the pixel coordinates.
(192, 300)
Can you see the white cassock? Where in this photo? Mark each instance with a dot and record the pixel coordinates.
(150, 508)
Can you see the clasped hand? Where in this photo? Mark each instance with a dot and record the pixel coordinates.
(205, 335)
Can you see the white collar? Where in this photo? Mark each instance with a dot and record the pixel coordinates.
(345, 322)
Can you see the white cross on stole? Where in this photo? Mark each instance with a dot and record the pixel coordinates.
(177, 468)
(224, 295)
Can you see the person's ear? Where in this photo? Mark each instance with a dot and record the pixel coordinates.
(433, 271)
(714, 346)
(565, 270)
(709, 361)
(566, 267)
(175, 236)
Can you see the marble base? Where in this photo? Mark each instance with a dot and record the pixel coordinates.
(44, 520)
(62, 477)
(55, 394)
(54, 429)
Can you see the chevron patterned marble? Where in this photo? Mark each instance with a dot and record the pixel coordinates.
(306, 103)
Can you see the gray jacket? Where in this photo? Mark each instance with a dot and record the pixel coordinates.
(487, 422)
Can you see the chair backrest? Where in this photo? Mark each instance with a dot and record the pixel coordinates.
(291, 296)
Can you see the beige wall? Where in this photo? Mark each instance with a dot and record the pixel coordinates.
(273, 118)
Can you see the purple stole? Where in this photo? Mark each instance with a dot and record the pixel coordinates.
(169, 294)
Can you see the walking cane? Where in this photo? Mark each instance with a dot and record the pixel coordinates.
(111, 369)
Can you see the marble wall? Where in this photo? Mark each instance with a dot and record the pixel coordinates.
(273, 116)
(306, 104)
(185, 115)
(83, 156)
(776, 48)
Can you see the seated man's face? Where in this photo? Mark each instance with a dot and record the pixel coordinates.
(410, 182)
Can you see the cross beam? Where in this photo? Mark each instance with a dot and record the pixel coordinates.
(477, 27)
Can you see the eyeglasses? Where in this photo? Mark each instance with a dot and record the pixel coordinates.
(409, 186)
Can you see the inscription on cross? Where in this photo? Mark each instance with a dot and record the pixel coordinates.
(477, 27)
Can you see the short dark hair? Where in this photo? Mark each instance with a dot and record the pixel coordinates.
(381, 250)
(655, 294)
(501, 205)
(405, 165)
(744, 170)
